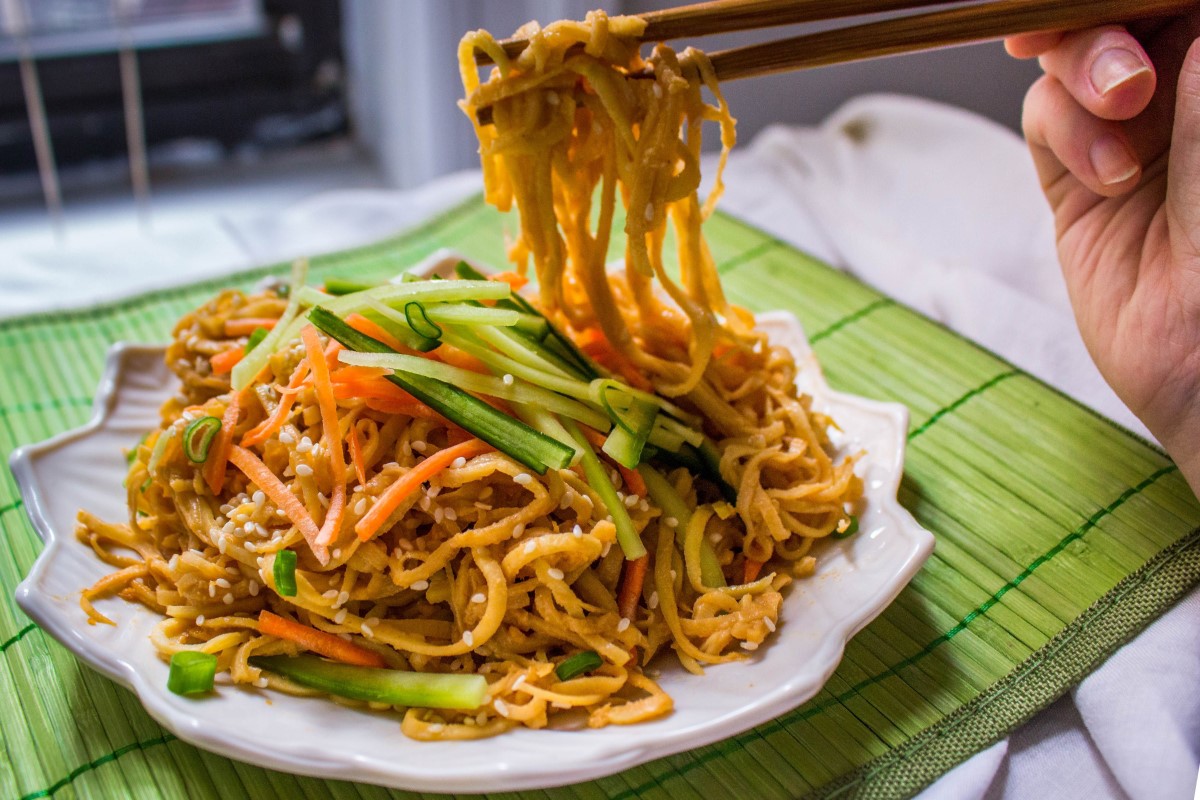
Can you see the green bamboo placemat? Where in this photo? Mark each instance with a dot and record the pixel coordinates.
(1059, 536)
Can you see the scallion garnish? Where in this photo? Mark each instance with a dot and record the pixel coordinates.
(574, 665)
(851, 529)
(284, 573)
(198, 437)
(510, 436)
(192, 672)
(420, 322)
(256, 337)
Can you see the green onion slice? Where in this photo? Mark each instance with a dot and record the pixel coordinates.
(284, 572)
(577, 664)
(198, 437)
(851, 529)
(391, 686)
(192, 672)
(256, 337)
(420, 322)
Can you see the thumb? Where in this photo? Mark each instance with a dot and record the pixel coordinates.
(1183, 181)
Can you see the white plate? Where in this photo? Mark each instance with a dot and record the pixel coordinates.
(855, 580)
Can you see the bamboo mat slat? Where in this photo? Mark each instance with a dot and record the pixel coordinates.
(1059, 536)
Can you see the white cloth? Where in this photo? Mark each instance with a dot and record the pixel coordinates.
(936, 207)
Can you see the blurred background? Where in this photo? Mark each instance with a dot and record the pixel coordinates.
(148, 114)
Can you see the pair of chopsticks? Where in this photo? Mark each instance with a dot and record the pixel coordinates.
(963, 23)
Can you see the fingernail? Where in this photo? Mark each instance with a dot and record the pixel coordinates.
(1114, 67)
(1112, 160)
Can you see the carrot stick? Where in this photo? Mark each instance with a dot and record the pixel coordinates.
(752, 568)
(593, 343)
(356, 373)
(268, 427)
(517, 282)
(632, 579)
(245, 326)
(633, 481)
(409, 409)
(360, 469)
(218, 454)
(449, 354)
(281, 496)
(411, 481)
(331, 432)
(326, 644)
(224, 361)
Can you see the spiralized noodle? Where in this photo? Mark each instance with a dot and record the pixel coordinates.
(491, 569)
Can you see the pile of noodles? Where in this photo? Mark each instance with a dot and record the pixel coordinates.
(492, 569)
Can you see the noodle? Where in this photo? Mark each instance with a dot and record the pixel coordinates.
(490, 568)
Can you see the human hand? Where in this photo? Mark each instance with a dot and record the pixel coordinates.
(1114, 129)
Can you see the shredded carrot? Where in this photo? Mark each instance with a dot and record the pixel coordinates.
(360, 469)
(375, 331)
(372, 388)
(632, 579)
(326, 644)
(356, 373)
(218, 454)
(517, 282)
(269, 426)
(411, 481)
(752, 568)
(248, 325)
(262, 477)
(412, 408)
(331, 432)
(449, 354)
(224, 361)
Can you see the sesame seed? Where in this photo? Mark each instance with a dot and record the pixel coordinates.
(508, 379)
(438, 514)
(286, 438)
(500, 706)
(252, 587)
(458, 463)
(653, 601)
(749, 645)
(212, 590)
(555, 573)
(623, 625)
(631, 501)
(331, 594)
(577, 531)
(222, 582)
(419, 446)
(523, 478)
(305, 445)
(451, 514)
(437, 727)
(342, 598)
(228, 599)
(366, 631)
(337, 552)
(360, 507)
(340, 616)
(259, 498)
(199, 619)
(658, 90)
(520, 679)
(420, 586)
(715, 538)
(671, 522)
(770, 623)
(468, 639)
(518, 530)
(478, 597)
(304, 470)
(279, 512)
(530, 546)
(261, 683)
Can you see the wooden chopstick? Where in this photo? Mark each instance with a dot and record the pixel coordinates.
(724, 16)
(975, 23)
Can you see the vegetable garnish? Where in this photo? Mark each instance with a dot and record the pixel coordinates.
(851, 529)
(197, 438)
(260, 475)
(597, 478)
(390, 686)
(256, 337)
(420, 322)
(249, 325)
(224, 361)
(192, 672)
(577, 664)
(284, 573)
(327, 644)
(632, 579)
(411, 481)
(513, 437)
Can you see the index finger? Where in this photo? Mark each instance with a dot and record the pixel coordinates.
(1032, 45)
